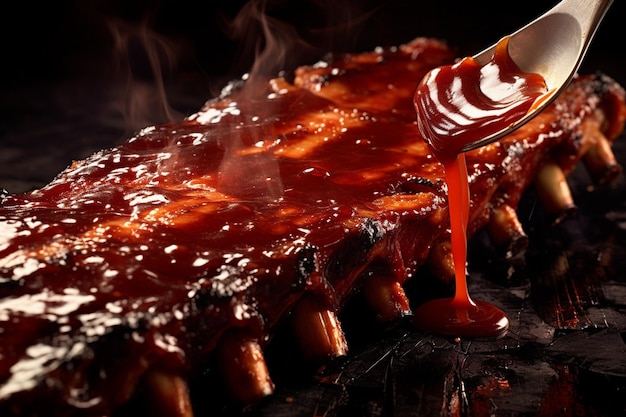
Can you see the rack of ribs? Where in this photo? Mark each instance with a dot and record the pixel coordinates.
(186, 247)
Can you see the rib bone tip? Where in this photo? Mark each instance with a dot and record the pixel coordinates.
(318, 331)
(166, 394)
(506, 231)
(553, 190)
(440, 262)
(600, 162)
(386, 297)
(242, 364)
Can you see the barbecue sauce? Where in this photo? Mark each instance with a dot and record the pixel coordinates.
(456, 105)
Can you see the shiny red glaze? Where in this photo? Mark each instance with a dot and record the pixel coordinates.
(448, 316)
(141, 256)
(464, 102)
(457, 105)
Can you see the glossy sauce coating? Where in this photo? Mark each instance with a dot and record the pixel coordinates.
(456, 105)
(461, 103)
(143, 255)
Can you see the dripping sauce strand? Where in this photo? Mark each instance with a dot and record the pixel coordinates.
(456, 105)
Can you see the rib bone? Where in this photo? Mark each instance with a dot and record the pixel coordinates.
(553, 191)
(440, 262)
(599, 159)
(386, 297)
(167, 395)
(242, 365)
(317, 330)
(506, 231)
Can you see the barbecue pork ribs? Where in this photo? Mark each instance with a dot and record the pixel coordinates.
(184, 248)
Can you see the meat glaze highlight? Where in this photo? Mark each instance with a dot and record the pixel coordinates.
(185, 248)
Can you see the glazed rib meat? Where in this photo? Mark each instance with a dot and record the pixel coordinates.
(185, 247)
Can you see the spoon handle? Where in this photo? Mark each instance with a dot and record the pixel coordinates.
(553, 46)
(569, 15)
(589, 14)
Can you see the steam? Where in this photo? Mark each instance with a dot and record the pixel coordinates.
(143, 56)
(276, 46)
(272, 42)
(250, 177)
(257, 175)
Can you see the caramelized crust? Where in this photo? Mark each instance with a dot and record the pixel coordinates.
(142, 256)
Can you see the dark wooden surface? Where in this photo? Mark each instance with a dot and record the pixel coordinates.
(72, 92)
(564, 354)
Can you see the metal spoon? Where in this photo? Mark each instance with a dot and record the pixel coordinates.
(553, 45)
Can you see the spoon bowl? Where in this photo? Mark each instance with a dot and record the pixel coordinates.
(553, 46)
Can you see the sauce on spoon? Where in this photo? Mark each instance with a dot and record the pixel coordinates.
(456, 105)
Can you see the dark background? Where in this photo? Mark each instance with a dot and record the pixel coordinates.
(80, 75)
(64, 39)
(77, 76)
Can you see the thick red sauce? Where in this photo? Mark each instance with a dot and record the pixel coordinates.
(456, 105)
(142, 255)
(223, 220)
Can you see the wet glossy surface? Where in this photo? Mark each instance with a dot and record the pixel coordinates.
(465, 102)
(459, 316)
(70, 300)
(563, 354)
(466, 319)
(457, 105)
(221, 220)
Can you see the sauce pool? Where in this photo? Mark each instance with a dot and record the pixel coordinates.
(456, 105)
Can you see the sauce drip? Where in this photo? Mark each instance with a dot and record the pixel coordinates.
(456, 105)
